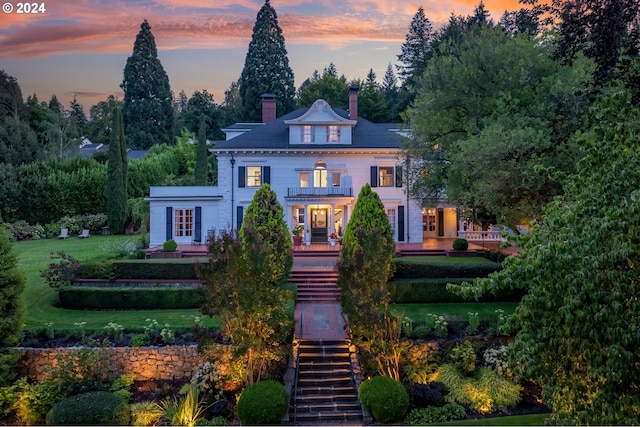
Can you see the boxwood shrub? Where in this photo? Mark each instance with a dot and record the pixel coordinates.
(264, 402)
(93, 408)
(385, 398)
(409, 269)
(423, 291)
(116, 298)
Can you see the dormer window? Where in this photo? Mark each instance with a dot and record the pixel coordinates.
(333, 133)
(307, 134)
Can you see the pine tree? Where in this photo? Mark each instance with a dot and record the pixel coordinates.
(148, 112)
(266, 68)
(201, 155)
(12, 283)
(117, 177)
(416, 47)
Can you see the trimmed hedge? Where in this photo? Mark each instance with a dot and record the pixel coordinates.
(408, 269)
(169, 269)
(93, 408)
(423, 291)
(83, 297)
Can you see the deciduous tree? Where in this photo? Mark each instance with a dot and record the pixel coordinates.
(148, 112)
(491, 107)
(266, 68)
(580, 318)
(201, 155)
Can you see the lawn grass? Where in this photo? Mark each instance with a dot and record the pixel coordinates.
(34, 256)
(456, 311)
(514, 420)
(445, 260)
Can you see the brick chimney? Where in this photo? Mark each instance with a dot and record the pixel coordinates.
(268, 107)
(353, 102)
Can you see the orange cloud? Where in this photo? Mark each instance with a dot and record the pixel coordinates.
(110, 27)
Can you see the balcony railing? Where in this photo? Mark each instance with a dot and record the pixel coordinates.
(487, 236)
(319, 192)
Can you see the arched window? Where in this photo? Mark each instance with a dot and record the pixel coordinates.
(320, 174)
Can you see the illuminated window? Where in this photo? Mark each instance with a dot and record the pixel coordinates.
(320, 178)
(304, 180)
(386, 176)
(307, 133)
(254, 176)
(184, 223)
(333, 133)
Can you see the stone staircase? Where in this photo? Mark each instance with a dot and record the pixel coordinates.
(325, 392)
(324, 379)
(316, 285)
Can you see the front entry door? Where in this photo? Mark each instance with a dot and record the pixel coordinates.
(319, 221)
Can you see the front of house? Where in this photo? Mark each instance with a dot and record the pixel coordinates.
(316, 160)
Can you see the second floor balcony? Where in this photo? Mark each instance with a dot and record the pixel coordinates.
(319, 192)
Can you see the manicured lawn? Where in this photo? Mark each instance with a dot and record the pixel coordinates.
(445, 259)
(34, 256)
(456, 311)
(515, 420)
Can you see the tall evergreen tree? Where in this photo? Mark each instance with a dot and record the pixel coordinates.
(266, 238)
(77, 117)
(12, 283)
(391, 94)
(10, 96)
(266, 68)
(201, 155)
(148, 112)
(416, 48)
(117, 177)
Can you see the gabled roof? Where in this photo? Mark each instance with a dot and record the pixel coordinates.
(275, 135)
(320, 113)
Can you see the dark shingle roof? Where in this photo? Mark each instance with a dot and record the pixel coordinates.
(275, 135)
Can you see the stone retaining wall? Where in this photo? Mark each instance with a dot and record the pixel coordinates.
(144, 363)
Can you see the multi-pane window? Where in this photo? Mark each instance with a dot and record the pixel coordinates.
(386, 176)
(184, 222)
(300, 216)
(320, 178)
(333, 133)
(254, 176)
(391, 215)
(306, 133)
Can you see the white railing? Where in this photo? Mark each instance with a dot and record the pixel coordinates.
(487, 236)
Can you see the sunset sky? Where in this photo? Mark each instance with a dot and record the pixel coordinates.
(80, 47)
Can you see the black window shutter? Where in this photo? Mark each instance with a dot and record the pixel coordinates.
(266, 174)
(239, 216)
(242, 173)
(169, 234)
(398, 176)
(374, 176)
(400, 223)
(197, 235)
